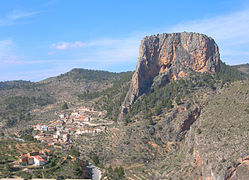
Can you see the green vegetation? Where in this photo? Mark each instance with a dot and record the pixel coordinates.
(60, 165)
(16, 85)
(222, 125)
(118, 83)
(247, 110)
(114, 96)
(17, 108)
(230, 73)
(74, 153)
(111, 98)
(243, 68)
(28, 137)
(161, 99)
(198, 131)
(90, 75)
(88, 96)
(80, 169)
(64, 106)
(25, 102)
(116, 174)
(27, 131)
(10, 150)
(95, 160)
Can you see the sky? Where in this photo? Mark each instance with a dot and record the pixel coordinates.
(44, 38)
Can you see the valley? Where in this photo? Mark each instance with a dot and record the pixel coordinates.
(183, 114)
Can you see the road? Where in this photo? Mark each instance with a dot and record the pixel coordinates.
(98, 124)
(17, 139)
(96, 173)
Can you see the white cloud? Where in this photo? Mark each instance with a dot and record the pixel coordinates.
(7, 53)
(15, 17)
(223, 27)
(62, 45)
(104, 50)
(116, 50)
(19, 14)
(230, 31)
(5, 46)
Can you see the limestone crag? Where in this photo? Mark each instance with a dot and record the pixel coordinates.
(170, 57)
(240, 171)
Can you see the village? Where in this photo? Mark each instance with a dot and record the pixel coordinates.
(71, 124)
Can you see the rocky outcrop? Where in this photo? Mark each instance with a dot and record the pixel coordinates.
(240, 171)
(170, 57)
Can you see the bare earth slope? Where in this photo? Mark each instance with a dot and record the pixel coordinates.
(219, 138)
(23, 102)
(205, 137)
(243, 68)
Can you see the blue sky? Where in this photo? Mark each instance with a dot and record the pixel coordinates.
(40, 39)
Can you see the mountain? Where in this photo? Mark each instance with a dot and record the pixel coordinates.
(203, 136)
(24, 102)
(14, 84)
(176, 125)
(183, 113)
(243, 68)
(171, 57)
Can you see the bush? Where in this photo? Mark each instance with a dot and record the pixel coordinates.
(119, 171)
(191, 150)
(95, 159)
(74, 153)
(116, 174)
(28, 137)
(64, 106)
(111, 98)
(247, 110)
(80, 169)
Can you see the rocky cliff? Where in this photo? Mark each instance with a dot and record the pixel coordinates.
(170, 57)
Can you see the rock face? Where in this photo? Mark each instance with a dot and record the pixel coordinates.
(170, 57)
(240, 171)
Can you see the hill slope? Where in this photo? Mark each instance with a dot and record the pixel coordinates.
(202, 136)
(181, 121)
(22, 102)
(243, 68)
(161, 113)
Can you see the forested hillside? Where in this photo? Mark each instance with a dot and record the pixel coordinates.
(19, 99)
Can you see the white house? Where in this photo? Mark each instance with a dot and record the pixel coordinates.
(65, 137)
(75, 114)
(58, 133)
(55, 136)
(44, 128)
(39, 161)
(62, 116)
(88, 118)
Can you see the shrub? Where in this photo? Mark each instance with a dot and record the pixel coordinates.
(247, 110)
(191, 150)
(74, 153)
(95, 159)
(119, 171)
(64, 106)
